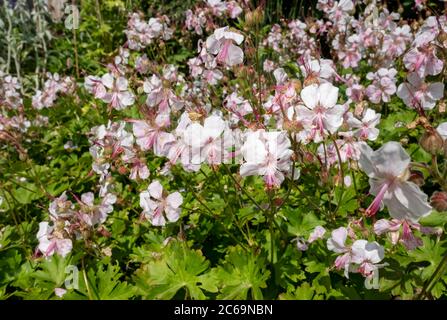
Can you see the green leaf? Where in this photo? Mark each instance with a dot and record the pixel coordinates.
(178, 268)
(302, 224)
(106, 284)
(435, 219)
(240, 274)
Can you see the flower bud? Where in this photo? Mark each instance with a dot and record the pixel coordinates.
(122, 170)
(432, 141)
(258, 16)
(442, 38)
(416, 177)
(441, 106)
(439, 200)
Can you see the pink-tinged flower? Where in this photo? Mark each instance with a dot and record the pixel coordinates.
(362, 256)
(234, 10)
(320, 69)
(141, 33)
(60, 292)
(423, 61)
(93, 214)
(196, 20)
(139, 169)
(117, 94)
(238, 106)
(108, 143)
(319, 112)
(267, 154)
(400, 231)
(355, 91)
(95, 86)
(366, 255)
(301, 244)
(179, 149)
(317, 233)
(418, 94)
(340, 9)
(159, 207)
(151, 135)
(383, 85)
(350, 54)
(218, 7)
(388, 173)
(395, 43)
(61, 208)
(208, 142)
(53, 86)
(349, 147)
(160, 90)
(365, 129)
(268, 65)
(212, 77)
(337, 244)
(430, 30)
(51, 241)
(142, 64)
(221, 43)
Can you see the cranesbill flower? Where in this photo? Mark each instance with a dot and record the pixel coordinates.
(337, 244)
(208, 142)
(401, 231)
(51, 241)
(221, 43)
(366, 255)
(319, 111)
(423, 61)
(92, 213)
(151, 134)
(266, 154)
(365, 128)
(388, 173)
(117, 94)
(383, 85)
(158, 206)
(417, 93)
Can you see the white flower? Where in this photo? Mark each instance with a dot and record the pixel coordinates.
(117, 95)
(96, 214)
(337, 244)
(320, 113)
(416, 93)
(442, 130)
(387, 169)
(317, 233)
(220, 43)
(158, 207)
(366, 255)
(51, 242)
(267, 154)
(365, 128)
(208, 141)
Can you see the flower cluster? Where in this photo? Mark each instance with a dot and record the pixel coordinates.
(53, 86)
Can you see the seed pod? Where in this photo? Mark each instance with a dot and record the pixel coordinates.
(432, 141)
(439, 200)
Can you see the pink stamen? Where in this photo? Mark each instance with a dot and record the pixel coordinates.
(224, 52)
(375, 205)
